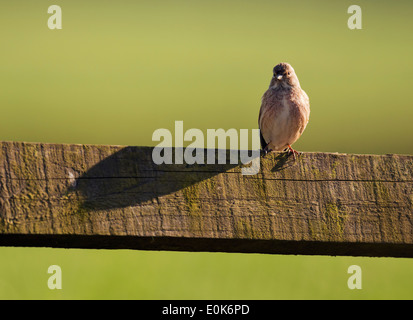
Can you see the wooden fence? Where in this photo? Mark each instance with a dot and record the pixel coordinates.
(94, 196)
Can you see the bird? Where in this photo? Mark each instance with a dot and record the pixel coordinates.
(284, 112)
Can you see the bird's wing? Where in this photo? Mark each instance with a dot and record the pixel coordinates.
(307, 106)
(263, 142)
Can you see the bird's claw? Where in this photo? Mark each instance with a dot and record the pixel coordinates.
(294, 152)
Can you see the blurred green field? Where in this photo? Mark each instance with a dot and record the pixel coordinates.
(121, 69)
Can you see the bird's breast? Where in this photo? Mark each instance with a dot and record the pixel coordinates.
(283, 117)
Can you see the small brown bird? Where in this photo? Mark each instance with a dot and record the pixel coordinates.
(285, 111)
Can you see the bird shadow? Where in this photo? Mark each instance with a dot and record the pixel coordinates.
(130, 177)
(283, 161)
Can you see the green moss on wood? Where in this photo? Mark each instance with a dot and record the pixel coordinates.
(333, 169)
(243, 228)
(315, 172)
(381, 193)
(259, 187)
(210, 185)
(191, 197)
(332, 225)
(335, 220)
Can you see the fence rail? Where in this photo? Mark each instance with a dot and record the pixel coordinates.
(95, 196)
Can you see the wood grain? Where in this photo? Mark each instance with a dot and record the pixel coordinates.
(94, 196)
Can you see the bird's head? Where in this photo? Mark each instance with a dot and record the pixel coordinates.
(284, 76)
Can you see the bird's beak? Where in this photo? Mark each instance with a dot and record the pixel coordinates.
(279, 77)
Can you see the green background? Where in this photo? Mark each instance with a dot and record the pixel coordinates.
(118, 70)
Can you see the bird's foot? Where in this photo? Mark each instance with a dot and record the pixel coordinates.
(294, 152)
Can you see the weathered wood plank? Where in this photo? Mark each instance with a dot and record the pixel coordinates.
(115, 197)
